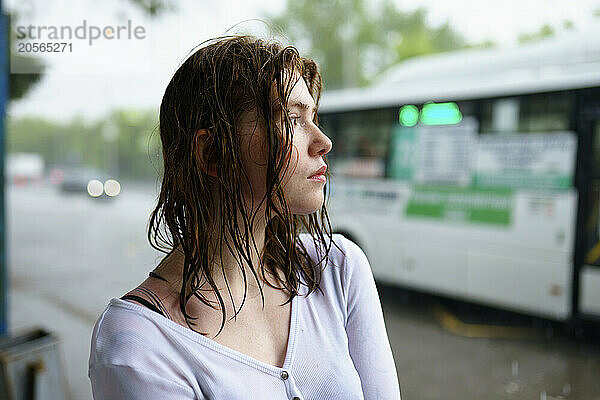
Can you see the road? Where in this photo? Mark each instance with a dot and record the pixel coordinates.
(69, 255)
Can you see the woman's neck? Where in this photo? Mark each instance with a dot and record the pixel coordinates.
(225, 270)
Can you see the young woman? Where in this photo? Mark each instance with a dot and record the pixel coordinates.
(255, 299)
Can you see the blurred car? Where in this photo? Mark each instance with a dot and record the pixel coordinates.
(85, 180)
(23, 169)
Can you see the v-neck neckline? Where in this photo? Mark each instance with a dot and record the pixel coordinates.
(221, 348)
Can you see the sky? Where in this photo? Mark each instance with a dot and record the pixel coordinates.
(94, 79)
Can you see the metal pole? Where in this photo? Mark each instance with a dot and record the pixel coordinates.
(4, 74)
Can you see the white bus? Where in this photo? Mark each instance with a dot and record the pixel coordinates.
(476, 175)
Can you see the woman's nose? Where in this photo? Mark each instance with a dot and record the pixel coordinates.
(321, 144)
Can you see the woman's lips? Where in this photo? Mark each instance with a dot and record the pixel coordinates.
(318, 178)
(320, 171)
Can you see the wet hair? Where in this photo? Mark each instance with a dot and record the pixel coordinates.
(222, 79)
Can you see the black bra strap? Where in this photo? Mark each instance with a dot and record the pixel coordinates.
(143, 301)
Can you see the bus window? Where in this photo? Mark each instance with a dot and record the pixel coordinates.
(543, 113)
(596, 150)
(328, 124)
(500, 116)
(360, 143)
(592, 226)
(506, 115)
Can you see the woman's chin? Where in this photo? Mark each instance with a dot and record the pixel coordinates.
(307, 208)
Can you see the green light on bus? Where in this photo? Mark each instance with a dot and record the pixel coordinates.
(409, 115)
(440, 114)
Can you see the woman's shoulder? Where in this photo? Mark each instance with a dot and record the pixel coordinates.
(121, 315)
(128, 335)
(343, 258)
(124, 327)
(340, 251)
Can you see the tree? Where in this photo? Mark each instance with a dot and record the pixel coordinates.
(19, 84)
(354, 41)
(153, 7)
(137, 142)
(545, 31)
(542, 33)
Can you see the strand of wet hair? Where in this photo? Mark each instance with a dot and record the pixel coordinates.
(155, 300)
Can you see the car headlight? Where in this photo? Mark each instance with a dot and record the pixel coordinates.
(95, 188)
(112, 187)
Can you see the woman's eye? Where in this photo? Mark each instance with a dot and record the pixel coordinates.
(295, 120)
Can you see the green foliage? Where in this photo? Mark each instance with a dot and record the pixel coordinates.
(354, 41)
(153, 7)
(133, 154)
(542, 33)
(568, 24)
(20, 84)
(486, 44)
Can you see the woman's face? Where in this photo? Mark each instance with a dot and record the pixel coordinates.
(304, 193)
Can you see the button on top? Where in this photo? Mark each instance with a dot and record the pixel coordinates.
(296, 398)
(284, 375)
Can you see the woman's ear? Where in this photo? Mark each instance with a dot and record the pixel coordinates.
(200, 150)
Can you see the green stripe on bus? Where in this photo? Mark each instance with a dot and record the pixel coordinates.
(523, 179)
(470, 205)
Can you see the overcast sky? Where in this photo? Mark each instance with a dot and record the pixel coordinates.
(110, 74)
